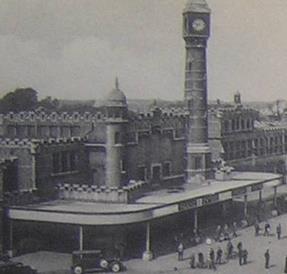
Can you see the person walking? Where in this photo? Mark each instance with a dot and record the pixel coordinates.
(192, 261)
(226, 232)
(257, 229)
(267, 258)
(229, 248)
(239, 248)
(218, 232)
(267, 229)
(201, 262)
(245, 256)
(212, 259)
(234, 230)
(278, 231)
(285, 268)
(180, 251)
(219, 253)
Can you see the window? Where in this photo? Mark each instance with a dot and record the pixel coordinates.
(56, 163)
(233, 124)
(226, 125)
(248, 124)
(237, 123)
(73, 160)
(31, 131)
(64, 161)
(141, 173)
(11, 130)
(166, 171)
(117, 138)
(123, 166)
(242, 124)
(197, 162)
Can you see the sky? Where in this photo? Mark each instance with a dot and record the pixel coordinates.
(74, 49)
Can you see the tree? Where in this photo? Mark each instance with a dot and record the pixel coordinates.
(49, 103)
(22, 99)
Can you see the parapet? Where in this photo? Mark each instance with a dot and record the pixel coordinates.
(53, 117)
(93, 193)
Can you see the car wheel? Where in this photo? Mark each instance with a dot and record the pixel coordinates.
(115, 267)
(104, 263)
(78, 269)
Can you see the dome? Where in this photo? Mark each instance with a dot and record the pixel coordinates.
(196, 6)
(116, 97)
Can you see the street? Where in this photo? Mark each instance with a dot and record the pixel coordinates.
(51, 263)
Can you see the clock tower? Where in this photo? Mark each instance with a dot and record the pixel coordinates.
(196, 29)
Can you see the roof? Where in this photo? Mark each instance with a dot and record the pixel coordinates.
(154, 205)
(116, 97)
(196, 6)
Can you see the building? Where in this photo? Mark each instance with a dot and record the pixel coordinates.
(244, 141)
(115, 177)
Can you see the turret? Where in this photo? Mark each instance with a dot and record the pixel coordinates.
(116, 120)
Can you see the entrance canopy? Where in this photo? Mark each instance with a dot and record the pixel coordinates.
(154, 205)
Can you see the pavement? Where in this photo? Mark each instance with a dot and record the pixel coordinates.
(55, 263)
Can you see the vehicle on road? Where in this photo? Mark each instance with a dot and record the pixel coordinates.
(9, 267)
(88, 261)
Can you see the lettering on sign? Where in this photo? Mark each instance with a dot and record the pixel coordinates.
(187, 205)
(210, 199)
(239, 191)
(256, 187)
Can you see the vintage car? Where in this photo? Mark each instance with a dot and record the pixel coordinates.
(9, 267)
(94, 260)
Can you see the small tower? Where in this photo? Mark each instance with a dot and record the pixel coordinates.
(116, 120)
(237, 99)
(196, 29)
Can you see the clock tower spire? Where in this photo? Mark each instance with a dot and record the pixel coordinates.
(196, 29)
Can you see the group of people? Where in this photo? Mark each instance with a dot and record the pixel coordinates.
(267, 230)
(213, 257)
(218, 256)
(226, 232)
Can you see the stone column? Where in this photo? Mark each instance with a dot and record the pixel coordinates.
(147, 255)
(81, 238)
(275, 197)
(195, 223)
(10, 238)
(34, 151)
(260, 196)
(245, 206)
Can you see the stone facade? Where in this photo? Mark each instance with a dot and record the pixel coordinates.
(118, 146)
(237, 136)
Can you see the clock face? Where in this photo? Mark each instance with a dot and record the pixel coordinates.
(198, 24)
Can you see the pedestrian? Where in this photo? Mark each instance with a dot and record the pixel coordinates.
(285, 268)
(192, 261)
(267, 229)
(257, 229)
(218, 232)
(180, 250)
(278, 231)
(234, 229)
(212, 259)
(226, 232)
(229, 248)
(267, 258)
(239, 248)
(219, 253)
(245, 256)
(200, 263)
